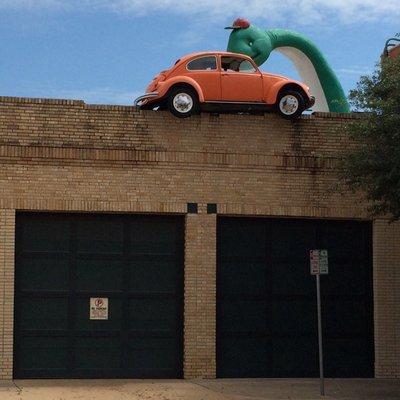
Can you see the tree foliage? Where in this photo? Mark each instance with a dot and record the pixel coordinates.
(373, 164)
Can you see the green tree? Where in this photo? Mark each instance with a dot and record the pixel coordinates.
(372, 165)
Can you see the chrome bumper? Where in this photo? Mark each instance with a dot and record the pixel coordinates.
(144, 97)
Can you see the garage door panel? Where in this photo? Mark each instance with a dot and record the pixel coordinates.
(299, 283)
(280, 316)
(243, 277)
(242, 240)
(62, 261)
(49, 236)
(290, 240)
(44, 274)
(291, 317)
(99, 275)
(104, 235)
(245, 315)
(152, 315)
(346, 278)
(294, 356)
(38, 353)
(43, 313)
(345, 317)
(97, 353)
(336, 350)
(153, 275)
(145, 353)
(144, 241)
(344, 240)
(244, 356)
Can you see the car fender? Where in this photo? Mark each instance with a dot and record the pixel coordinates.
(273, 91)
(166, 85)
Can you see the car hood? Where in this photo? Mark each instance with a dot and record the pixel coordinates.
(284, 78)
(268, 75)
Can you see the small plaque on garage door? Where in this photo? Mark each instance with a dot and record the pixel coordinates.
(98, 308)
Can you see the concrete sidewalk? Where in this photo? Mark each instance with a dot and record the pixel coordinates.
(221, 389)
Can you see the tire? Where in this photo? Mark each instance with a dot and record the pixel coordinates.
(183, 102)
(290, 104)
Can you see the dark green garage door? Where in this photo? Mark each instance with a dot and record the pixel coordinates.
(266, 298)
(62, 261)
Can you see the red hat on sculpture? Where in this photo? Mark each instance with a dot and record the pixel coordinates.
(239, 23)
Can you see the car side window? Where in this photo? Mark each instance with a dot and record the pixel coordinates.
(208, 63)
(246, 66)
(236, 64)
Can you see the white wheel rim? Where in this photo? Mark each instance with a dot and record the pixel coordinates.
(182, 102)
(289, 104)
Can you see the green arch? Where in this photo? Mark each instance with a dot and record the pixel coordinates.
(311, 64)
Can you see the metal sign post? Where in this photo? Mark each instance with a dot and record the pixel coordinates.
(318, 266)
(321, 355)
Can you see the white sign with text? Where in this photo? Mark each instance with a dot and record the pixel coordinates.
(98, 308)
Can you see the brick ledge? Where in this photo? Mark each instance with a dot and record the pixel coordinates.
(81, 103)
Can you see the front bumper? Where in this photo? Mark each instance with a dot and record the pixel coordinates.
(142, 100)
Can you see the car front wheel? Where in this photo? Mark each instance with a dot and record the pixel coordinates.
(290, 104)
(183, 102)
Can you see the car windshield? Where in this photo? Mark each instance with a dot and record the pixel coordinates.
(236, 64)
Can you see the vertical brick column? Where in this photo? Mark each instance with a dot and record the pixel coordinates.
(7, 238)
(386, 248)
(200, 296)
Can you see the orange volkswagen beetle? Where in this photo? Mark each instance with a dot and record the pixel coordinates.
(223, 81)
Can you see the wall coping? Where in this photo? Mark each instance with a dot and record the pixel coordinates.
(82, 104)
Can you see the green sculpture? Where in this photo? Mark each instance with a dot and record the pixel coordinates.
(310, 63)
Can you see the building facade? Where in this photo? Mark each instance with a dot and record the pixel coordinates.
(196, 234)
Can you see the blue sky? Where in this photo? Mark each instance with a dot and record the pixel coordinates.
(106, 51)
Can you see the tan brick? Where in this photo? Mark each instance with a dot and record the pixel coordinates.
(64, 155)
(7, 227)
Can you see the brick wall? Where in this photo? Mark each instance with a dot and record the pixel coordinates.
(386, 250)
(64, 155)
(82, 156)
(200, 292)
(7, 226)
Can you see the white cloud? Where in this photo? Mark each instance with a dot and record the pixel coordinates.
(355, 70)
(304, 11)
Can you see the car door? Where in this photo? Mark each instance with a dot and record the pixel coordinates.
(241, 81)
(204, 70)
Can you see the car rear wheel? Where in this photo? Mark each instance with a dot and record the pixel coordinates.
(183, 102)
(290, 104)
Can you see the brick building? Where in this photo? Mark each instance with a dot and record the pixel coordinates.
(197, 233)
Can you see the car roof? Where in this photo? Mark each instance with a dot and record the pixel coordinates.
(207, 53)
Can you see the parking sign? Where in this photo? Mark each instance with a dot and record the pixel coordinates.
(319, 262)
